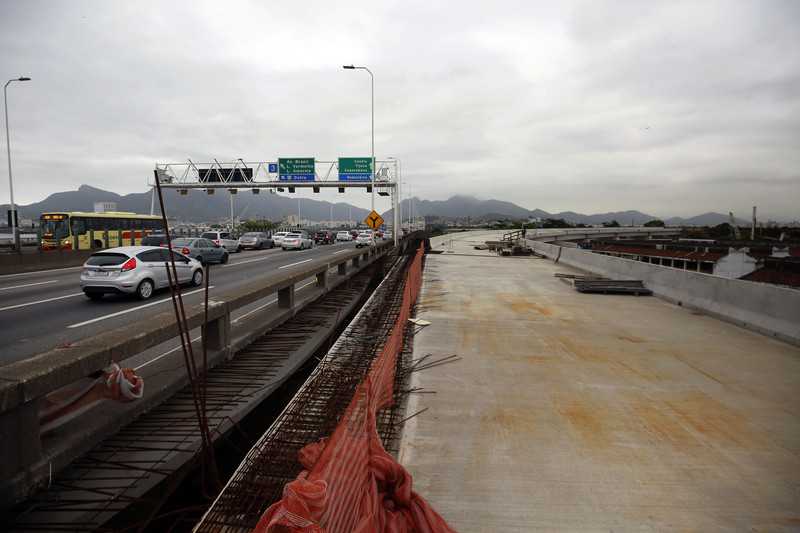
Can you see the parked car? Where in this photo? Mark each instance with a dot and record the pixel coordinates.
(203, 250)
(365, 238)
(139, 270)
(257, 240)
(324, 237)
(224, 239)
(156, 239)
(277, 238)
(344, 236)
(297, 241)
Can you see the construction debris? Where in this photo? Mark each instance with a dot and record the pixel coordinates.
(611, 286)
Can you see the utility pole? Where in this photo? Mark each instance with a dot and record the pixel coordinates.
(14, 228)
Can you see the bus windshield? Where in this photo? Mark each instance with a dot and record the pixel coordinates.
(55, 229)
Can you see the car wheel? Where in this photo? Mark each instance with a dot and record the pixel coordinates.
(224, 259)
(197, 277)
(94, 295)
(261, 246)
(145, 289)
(238, 249)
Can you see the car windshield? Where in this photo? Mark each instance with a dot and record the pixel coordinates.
(182, 242)
(294, 235)
(106, 259)
(251, 235)
(209, 235)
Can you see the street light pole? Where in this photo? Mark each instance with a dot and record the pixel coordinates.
(372, 95)
(14, 228)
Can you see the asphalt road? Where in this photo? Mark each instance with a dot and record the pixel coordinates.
(41, 310)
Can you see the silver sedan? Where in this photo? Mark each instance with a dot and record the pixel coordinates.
(139, 270)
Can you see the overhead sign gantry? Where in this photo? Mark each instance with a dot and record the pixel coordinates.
(285, 173)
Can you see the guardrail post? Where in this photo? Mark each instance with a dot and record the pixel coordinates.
(322, 279)
(286, 297)
(342, 269)
(218, 332)
(356, 261)
(20, 441)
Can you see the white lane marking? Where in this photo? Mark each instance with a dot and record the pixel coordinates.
(40, 301)
(295, 264)
(131, 310)
(260, 307)
(33, 272)
(263, 258)
(153, 360)
(28, 285)
(340, 251)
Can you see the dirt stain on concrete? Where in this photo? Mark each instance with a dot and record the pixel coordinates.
(508, 420)
(717, 424)
(586, 420)
(631, 338)
(522, 306)
(584, 352)
(662, 425)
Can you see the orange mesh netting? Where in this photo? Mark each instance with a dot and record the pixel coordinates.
(350, 483)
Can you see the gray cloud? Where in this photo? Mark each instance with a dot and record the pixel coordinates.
(673, 108)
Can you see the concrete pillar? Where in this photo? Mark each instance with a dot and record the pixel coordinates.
(20, 442)
(286, 297)
(356, 261)
(322, 279)
(342, 269)
(218, 333)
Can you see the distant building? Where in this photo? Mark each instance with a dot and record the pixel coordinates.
(103, 207)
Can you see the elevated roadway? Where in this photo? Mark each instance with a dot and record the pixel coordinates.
(40, 310)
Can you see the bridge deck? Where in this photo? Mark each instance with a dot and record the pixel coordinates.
(581, 412)
(158, 444)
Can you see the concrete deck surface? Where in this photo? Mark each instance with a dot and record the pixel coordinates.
(580, 412)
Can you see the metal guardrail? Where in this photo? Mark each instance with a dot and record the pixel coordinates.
(24, 384)
(586, 233)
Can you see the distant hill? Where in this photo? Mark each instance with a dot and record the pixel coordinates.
(197, 206)
(706, 219)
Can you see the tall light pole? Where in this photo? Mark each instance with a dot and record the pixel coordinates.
(14, 228)
(372, 92)
(398, 216)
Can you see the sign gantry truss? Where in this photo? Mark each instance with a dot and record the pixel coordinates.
(240, 174)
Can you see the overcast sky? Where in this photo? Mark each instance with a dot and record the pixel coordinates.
(672, 108)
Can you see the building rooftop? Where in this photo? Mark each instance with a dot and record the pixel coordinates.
(579, 412)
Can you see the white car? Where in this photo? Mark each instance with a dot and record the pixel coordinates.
(139, 270)
(224, 239)
(277, 238)
(387, 235)
(365, 238)
(297, 241)
(344, 236)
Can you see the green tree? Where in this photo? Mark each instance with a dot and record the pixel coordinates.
(612, 224)
(655, 223)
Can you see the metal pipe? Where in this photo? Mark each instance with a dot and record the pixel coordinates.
(14, 228)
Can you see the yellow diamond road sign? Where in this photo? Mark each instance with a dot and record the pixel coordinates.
(374, 220)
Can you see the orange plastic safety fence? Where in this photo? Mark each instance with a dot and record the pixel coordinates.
(350, 483)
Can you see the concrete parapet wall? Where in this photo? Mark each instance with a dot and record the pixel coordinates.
(14, 263)
(762, 307)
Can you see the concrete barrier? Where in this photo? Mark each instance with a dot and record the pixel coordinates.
(762, 307)
(31, 261)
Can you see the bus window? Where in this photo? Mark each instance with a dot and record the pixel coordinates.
(55, 229)
(78, 226)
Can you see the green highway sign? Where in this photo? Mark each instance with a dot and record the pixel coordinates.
(296, 169)
(355, 169)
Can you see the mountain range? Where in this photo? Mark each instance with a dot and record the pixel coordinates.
(198, 206)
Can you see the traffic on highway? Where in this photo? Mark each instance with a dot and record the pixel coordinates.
(40, 310)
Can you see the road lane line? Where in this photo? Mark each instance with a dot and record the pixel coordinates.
(40, 301)
(260, 307)
(340, 251)
(295, 264)
(39, 272)
(131, 310)
(262, 258)
(28, 285)
(164, 355)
